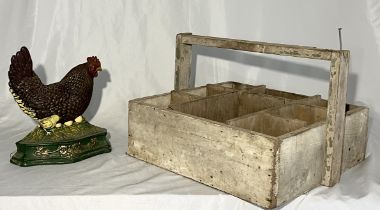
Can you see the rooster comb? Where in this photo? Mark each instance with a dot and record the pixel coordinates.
(93, 61)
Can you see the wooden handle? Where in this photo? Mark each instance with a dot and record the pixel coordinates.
(337, 85)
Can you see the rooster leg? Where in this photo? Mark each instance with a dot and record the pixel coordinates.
(49, 122)
(79, 119)
(68, 123)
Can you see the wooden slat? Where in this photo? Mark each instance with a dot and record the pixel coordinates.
(355, 137)
(336, 117)
(182, 64)
(223, 157)
(301, 163)
(259, 47)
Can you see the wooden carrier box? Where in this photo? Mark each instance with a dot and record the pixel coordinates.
(261, 145)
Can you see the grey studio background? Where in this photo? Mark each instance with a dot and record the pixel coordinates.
(135, 41)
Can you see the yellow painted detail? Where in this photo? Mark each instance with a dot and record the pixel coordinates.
(49, 122)
(30, 112)
(68, 123)
(79, 119)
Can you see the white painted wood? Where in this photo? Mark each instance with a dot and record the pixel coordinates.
(187, 132)
(300, 163)
(336, 117)
(267, 124)
(285, 164)
(224, 157)
(355, 137)
(182, 63)
(259, 47)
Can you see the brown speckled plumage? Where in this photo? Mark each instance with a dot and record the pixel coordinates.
(68, 98)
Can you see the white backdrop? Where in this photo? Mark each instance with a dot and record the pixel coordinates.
(135, 41)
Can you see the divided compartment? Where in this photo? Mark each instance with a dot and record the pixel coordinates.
(225, 87)
(268, 124)
(262, 89)
(188, 95)
(210, 90)
(280, 120)
(236, 104)
(227, 106)
(284, 94)
(318, 101)
(183, 96)
(165, 100)
(307, 113)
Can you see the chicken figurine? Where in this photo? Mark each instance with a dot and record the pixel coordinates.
(63, 136)
(53, 104)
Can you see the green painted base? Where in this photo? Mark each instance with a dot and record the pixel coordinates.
(68, 144)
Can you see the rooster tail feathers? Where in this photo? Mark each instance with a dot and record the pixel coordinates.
(21, 67)
(23, 82)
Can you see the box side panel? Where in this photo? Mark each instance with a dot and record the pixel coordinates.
(226, 158)
(355, 138)
(301, 163)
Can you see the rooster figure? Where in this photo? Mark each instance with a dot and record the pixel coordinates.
(57, 103)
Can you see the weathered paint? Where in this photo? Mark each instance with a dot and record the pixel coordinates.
(206, 133)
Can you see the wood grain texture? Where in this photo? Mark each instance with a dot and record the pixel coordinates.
(239, 86)
(306, 113)
(336, 117)
(262, 145)
(249, 103)
(162, 100)
(182, 97)
(337, 90)
(183, 57)
(283, 94)
(220, 156)
(217, 89)
(199, 91)
(300, 163)
(355, 137)
(260, 47)
(190, 141)
(218, 108)
(267, 124)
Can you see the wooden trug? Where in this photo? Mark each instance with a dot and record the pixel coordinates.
(262, 145)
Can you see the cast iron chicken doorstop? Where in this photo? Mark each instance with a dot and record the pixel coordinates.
(62, 134)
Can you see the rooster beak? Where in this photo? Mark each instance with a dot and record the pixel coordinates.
(99, 69)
